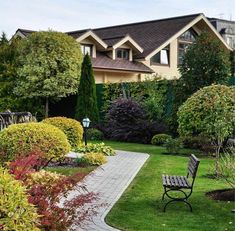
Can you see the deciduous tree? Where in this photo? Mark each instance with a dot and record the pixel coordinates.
(49, 67)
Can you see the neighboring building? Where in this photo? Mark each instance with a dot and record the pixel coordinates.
(131, 52)
(226, 29)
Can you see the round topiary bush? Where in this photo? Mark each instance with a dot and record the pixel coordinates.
(16, 213)
(23, 139)
(94, 134)
(160, 139)
(72, 129)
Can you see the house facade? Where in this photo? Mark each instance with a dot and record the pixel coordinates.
(134, 52)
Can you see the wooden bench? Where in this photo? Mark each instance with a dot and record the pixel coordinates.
(181, 183)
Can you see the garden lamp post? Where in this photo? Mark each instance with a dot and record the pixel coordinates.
(85, 123)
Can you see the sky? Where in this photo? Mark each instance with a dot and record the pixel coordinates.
(70, 15)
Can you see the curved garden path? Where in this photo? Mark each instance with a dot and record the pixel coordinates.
(110, 181)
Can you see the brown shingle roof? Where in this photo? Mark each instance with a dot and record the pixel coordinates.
(149, 35)
(102, 61)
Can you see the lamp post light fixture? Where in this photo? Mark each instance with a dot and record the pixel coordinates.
(86, 124)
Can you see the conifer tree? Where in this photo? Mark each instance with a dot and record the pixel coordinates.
(87, 100)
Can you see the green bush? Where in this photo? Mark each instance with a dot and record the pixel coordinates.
(198, 142)
(24, 139)
(94, 134)
(93, 158)
(72, 129)
(15, 211)
(97, 148)
(160, 139)
(173, 145)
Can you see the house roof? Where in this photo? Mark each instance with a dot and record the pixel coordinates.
(102, 61)
(149, 35)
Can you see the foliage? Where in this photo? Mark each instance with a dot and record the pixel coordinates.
(226, 166)
(93, 158)
(94, 134)
(72, 129)
(210, 112)
(49, 66)
(43, 177)
(173, 146)
(87, 100)
(97, 148)
(199, 143)
(127, 121)
(160, 139)
(23, 139)
(9, 52)
(159, 98)
(47, 194)
(16, 212)
(206, 62)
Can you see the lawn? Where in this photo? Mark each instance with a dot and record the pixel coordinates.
(140, 207)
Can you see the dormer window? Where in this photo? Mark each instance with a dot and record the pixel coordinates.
(86, 49)
(122, 54)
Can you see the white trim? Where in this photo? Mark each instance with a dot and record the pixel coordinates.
(188, 26)
(127, 38)
(94, 36)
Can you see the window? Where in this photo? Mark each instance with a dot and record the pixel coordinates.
(86, 49)
(181, 51)
(185, 40)
(161, 57)
(122, 54)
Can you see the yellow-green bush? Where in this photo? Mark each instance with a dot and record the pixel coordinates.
(72, 129)
(43, 177)
(15, 211)
(93, 158)
(24, 139)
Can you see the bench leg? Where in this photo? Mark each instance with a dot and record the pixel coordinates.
(174, 200)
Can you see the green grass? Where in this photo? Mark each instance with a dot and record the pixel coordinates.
(140, 207)
(68, 171)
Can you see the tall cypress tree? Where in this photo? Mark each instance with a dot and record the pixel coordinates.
(87, 100)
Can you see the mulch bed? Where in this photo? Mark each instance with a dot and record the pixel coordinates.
(222, 195)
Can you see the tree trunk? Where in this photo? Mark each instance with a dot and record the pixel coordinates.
(47, 108)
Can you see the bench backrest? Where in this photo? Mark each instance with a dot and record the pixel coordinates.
(193, 166)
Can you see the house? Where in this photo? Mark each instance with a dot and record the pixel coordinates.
(226, 29)
(132, 52)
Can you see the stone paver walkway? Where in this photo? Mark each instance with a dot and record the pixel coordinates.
(110, 181)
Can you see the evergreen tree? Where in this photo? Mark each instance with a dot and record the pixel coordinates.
(206, 62)
(87, 100)
(3, 39)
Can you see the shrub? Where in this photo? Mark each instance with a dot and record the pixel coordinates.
(198, 142)
(47, 194)
(23, 139)
(43, 177)
(173, 145)
(72, 129)
(209, 112)
(127, 121)
(160, 139)
(97, 148)
(16, 212)
(94, 134)
(93, 158)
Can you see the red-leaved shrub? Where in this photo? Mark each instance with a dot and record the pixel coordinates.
(47, 197)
